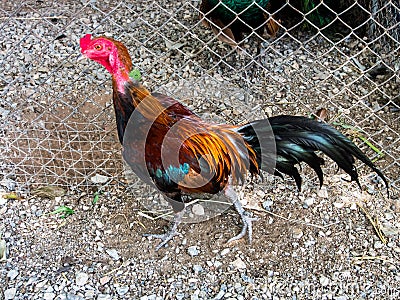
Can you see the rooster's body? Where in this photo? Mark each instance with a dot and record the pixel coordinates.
(167, 145)
(208, 155)
(229, 19)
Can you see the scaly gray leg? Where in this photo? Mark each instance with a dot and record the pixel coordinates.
(246, 219)
(166, 237)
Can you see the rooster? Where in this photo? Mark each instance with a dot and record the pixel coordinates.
(229, 19)
(170, 147)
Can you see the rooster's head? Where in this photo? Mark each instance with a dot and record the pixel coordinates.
(108, 52)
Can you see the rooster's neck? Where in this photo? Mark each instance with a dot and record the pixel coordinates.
(119, 70)
(121, 79)
(123, 106)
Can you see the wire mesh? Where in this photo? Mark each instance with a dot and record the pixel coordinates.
(57, 121)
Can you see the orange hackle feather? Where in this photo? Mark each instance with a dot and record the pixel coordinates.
(148, 105)
(222, 148)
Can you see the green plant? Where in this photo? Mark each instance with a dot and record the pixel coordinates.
(65, 211)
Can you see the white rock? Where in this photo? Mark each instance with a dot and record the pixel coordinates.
(10, 293)
(389, 216)
(218, 77)
(12, 274)
(2, 200)
(41, 284)
(323, 192)
(261, 194)
(198, 210)
(98, 178)
(309, 201)
(197, 268)
(267, 204)
(193, 251)
(49, 296)
(99, 224)
(378, 245)
(387, 229)
(347, 69)
(89, 294)
(225, 251)
(31, 280)
(81, 278)
(113, 253)
(104, 280)
(324, 281)
(122, 290)
(338, 204)
(238, 263)
(173, 46)
(195, 295)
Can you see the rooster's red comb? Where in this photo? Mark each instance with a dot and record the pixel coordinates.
(85, 41)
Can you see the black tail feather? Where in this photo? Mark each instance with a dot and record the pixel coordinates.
(297, 139)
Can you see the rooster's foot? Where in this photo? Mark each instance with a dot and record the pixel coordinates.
(247, 228)
(246, 219)
(166, 237)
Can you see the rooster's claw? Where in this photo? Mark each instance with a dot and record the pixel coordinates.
(165, 238)
(246, 219)
(247, 228)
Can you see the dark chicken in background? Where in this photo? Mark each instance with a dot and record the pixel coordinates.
(229, 19)
(210, 158)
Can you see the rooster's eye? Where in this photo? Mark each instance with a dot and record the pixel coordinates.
(97, 47)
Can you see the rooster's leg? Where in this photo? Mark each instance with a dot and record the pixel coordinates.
(166, 237)
(246, 219)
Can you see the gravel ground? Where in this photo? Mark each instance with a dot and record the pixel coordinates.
(59, 148)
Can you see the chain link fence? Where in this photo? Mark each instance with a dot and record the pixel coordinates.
(56, 116)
